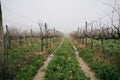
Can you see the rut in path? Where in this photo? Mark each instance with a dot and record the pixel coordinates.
(84, 66)
(41, 72)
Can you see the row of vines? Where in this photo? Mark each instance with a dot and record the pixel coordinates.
(20, 49)
(99, 45)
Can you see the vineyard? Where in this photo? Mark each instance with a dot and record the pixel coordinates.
(91, 52)
(99, 45)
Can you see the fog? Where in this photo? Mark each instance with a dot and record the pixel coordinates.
(64, 15)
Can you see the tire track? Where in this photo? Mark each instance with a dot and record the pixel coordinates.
(41, 72)
(84, 66)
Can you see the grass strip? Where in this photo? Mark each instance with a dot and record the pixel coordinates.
(103, 70)
(64, 65)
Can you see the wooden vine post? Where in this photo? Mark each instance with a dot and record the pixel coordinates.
(20, 37)
(86, 34)
(46, 35)
(83, 38)
(7, 39)
(41, 37)
(7, 45)
(53, 34)
(102, 42)
(2, 56)
(50, 35)
(91, 36)
(78, 33)
(80, 36)
(31, 38)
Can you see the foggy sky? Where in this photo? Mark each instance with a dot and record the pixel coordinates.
(64, 15)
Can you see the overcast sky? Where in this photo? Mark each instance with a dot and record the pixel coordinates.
(64, 15)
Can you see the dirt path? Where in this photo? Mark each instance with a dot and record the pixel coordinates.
(41, 72)
(84, 66)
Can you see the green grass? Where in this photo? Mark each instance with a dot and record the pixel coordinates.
(64, 65)
(111, 47)
(17, 54)
(106, 71)
(50, 50)
(103, 70)
(16, 43)
(28, 71)
(20, 57)
(23, 63)
(86, 54)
